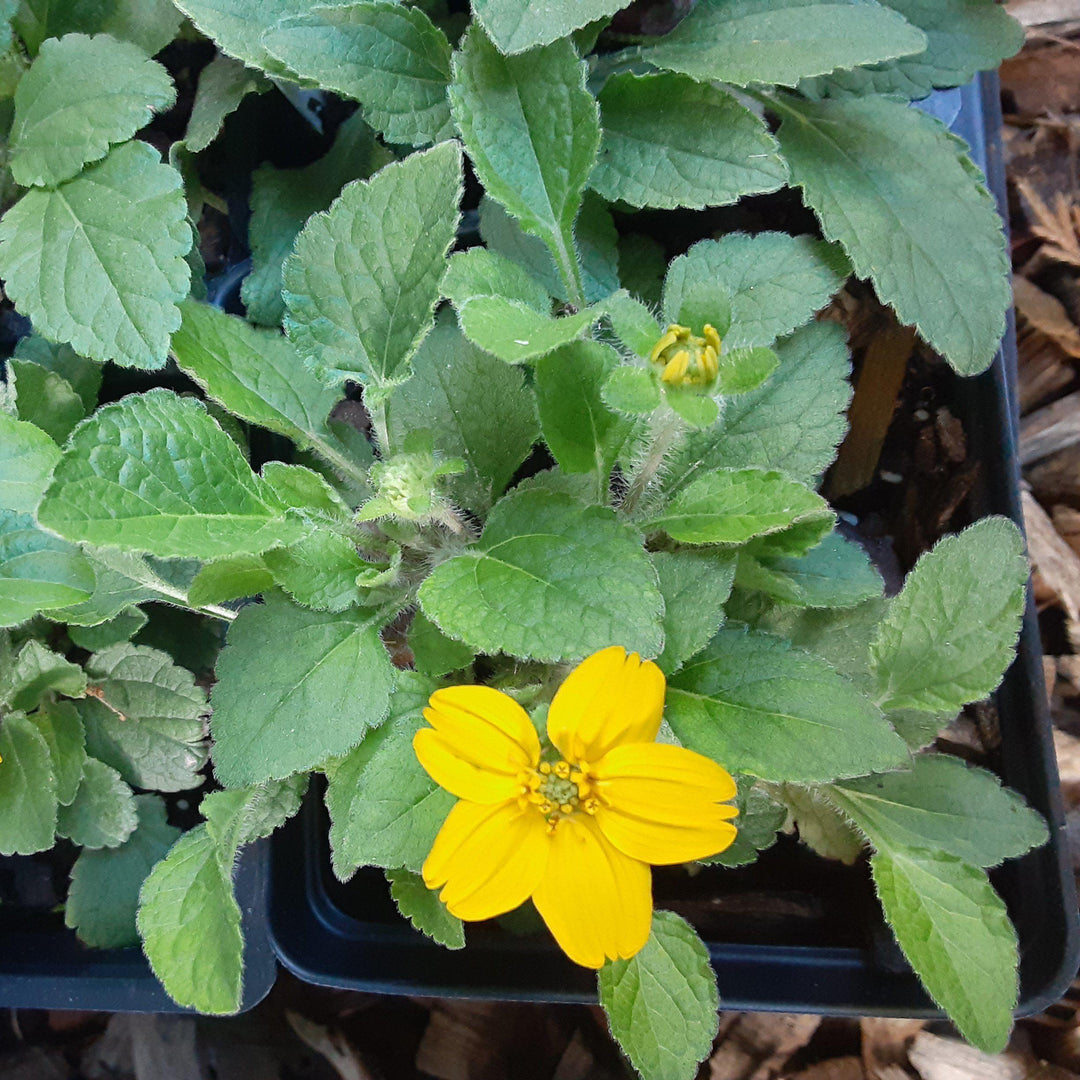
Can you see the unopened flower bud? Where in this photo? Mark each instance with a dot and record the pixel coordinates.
(686, 360)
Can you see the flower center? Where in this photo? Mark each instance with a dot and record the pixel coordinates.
(557, 789)
(684, 359)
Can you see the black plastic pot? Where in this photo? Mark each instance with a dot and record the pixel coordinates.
(44, 966)
(791, 932)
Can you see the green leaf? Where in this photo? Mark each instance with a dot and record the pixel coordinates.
(583, 434)
(120, 580)
(951, 632)
(943, 804)
(83, 375)
(963, 37)
(743, 370)
(255, 374)
(423, 908)
(391, 59)
(295, 687)
(320, 571)
(119, 229)
(188, 898)
(230, 579)
(384, 808)
(243, 815)
(758, 706)
(358, 307)
(59, 724)
(729, 506)
(45, 399)
(662, 1004)
(633, 323)
(223, 84)
(434, 653)
(38, 572)
(81, 95)
(27, 788)
(155, 473)
(669, 141)
(36, 672)
(483, 272)
(102, 814)
(530, 588)
(782, 41)
(597, 241)
(865, 166)
(114, 631)
(792, 423)
(695, 586)
(104, 891)
(27, 459)
(504, 236)
(835, 574)
(148, 722)
(238, 26)
(455, 392)
(631, 390)
(775, 282)
(515, 333)
(531, 130)
(698, 410)
(517, 25)
(759, 820)
(150, 24)
(820, 826)
(956, 934)
(283, 199)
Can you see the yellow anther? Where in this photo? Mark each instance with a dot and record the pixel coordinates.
(711, 337)
(669, 339)
(591, 806)
(546, 807)
(686, 360)
(676, 368)
(566, 808)
(545, 767)
(562, 770)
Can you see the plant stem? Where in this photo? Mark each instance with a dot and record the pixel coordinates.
(382, 431)
(566, 261)
(666, 431)
(337, 459)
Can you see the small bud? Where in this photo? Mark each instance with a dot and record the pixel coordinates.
(686, 360)
(407, 485)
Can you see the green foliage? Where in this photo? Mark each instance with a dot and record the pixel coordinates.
(105, 884)
(103, 812)
(759, 820)
(195, 496)
(223, 84)
(695, 586)
(60, 725)
(528, 588)
(423, 908)
(514, 332)
(758, 706)
(45, 398)
(83, 375)
(662, 1003)
(35, 672)
(530, 128)
(865, 165)
(950, 634)
(434, 653)
(28, 804)
(81, 95)
(782, 41)
(360, 311)
(669, 141)
(119, 228)
(150, 24)
(287, 671)
(516, 25)
(391, 59)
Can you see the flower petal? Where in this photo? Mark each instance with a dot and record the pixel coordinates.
(611, 698)
(663, 804)
(483, 727)
(596, 901)
(488, 859)
(461, 777)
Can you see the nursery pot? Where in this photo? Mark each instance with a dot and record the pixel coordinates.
(792, 932)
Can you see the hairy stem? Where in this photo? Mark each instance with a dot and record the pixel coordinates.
(667, 429)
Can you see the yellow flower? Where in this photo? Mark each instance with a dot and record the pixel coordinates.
(576, 828)
(685, 359)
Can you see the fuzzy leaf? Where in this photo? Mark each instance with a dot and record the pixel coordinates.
(223, 84)
(188, 898)
(531, 130)
(102, 814)
(758, 706)
(363, 280)
(59, 723)
(319, 572)
(423, 908)
(529, 587)
(390, 58)
(483, 272)
(434, 653)
(82, 374)
(285, 671)
(517, 25)
(662, 1003)
(951, 632)
(759, 820)
(956, 934)
(516, 333)
(669, 141)
(104, 891)
(27, 459)
(631, 390)
(150, 24)
(98, 262)
(230, 579)
(27, 788)
(695, 586)
(865, 166)
(45, 399)
(37, 671)
(782, 41)
(81, 95)
(243, 815)
(155, 473)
